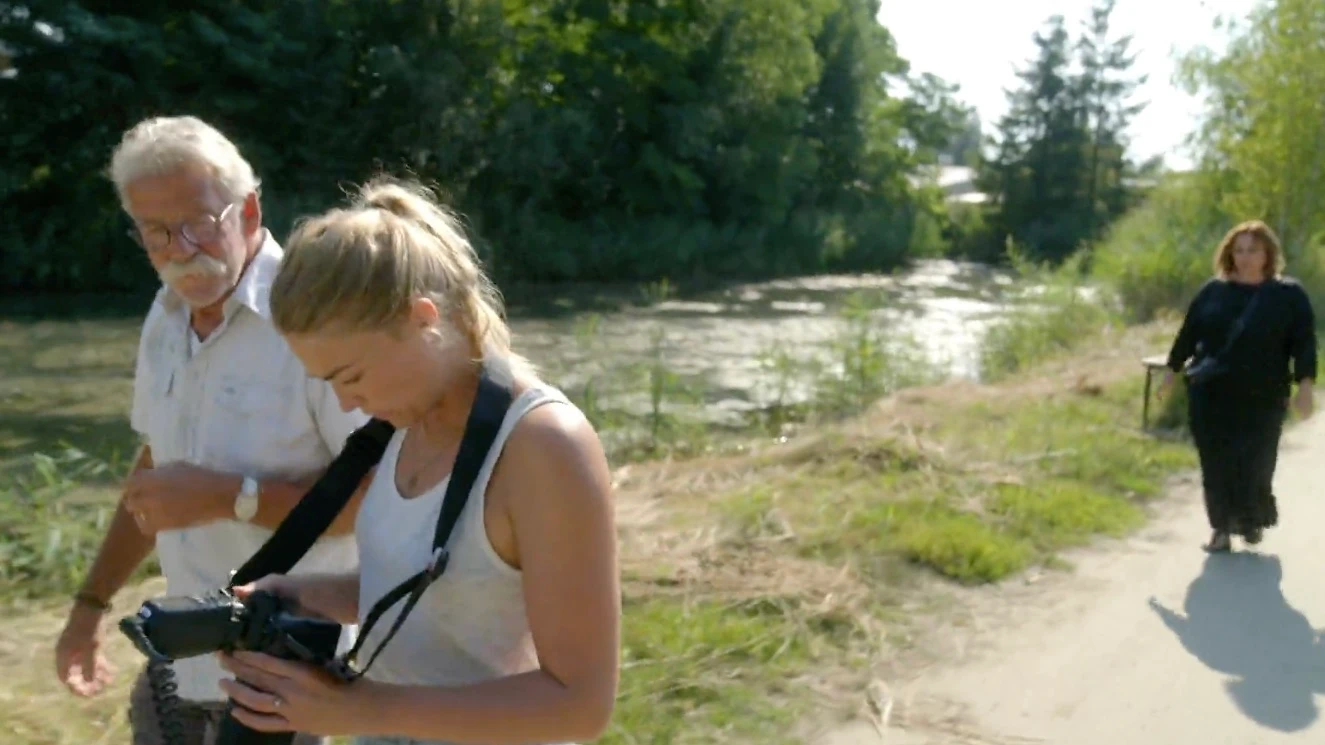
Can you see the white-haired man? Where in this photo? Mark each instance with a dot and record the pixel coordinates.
(234, 430)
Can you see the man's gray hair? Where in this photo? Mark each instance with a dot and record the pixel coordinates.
(163, 144)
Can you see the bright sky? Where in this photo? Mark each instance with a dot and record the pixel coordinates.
(979, 44)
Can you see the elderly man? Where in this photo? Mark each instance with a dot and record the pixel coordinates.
(235, 431)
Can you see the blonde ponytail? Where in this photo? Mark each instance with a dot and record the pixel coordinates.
(361, 268)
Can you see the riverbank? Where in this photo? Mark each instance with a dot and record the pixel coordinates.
(769, 575)
(657, 367)
(769, 589)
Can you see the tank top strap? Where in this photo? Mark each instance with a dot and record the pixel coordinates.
(528, 400)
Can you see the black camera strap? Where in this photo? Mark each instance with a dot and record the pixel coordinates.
(318, 508)
(485, 419)
(1240, 323)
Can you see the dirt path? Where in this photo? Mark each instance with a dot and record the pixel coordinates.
(1148, 641)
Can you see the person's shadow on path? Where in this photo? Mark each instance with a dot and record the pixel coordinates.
(1238, 622)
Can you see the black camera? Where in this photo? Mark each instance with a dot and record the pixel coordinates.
(177, 627)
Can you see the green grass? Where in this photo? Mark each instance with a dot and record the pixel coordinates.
(1057, 515)
(954, 542)
(49, 527)
(67, 384)
(1001, 485)
(692, 669)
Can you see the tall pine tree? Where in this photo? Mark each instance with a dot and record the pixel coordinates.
(1059, 171)
(1106, 90)
(1036, 172)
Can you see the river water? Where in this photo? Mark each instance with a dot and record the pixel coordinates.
(717, 341)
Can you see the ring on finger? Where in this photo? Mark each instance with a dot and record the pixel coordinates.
(277, 702)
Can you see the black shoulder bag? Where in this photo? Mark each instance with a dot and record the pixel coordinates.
(363, 449)
(1213, 366)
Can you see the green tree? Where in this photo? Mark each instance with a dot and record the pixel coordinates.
(1106, 90)
(1261, 155)
(582, 139)
(1060, 170)
(1262, 132)
(965, 146)
(1039, 161)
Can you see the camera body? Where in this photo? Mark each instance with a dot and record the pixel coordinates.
(178, 627)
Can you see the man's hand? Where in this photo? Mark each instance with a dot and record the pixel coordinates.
(178, 495)
(79, 662)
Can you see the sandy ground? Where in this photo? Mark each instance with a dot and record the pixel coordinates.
(1147, 641)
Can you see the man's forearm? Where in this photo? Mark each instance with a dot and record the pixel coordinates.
(277, 498)
(122, 550)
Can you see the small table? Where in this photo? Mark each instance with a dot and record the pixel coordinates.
(1152, 365)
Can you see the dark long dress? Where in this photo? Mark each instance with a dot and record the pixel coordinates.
(1236, 419)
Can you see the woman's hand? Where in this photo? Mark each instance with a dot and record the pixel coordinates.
(274, 695)
(1305, 401)
(290, 589)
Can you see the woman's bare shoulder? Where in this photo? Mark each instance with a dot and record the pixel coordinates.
(553, 448)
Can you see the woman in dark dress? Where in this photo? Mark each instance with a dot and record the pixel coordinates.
(1237, 415)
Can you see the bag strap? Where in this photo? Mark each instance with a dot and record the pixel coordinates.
(1241, 322)
(316, 510)
(485, 419)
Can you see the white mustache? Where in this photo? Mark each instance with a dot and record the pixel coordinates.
(199, 264)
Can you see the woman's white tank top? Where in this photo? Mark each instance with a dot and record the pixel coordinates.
(470, 625)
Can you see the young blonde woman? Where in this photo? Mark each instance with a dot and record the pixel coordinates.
(517, 641)
(1249, 334)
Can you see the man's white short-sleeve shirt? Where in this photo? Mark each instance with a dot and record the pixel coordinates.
(238, 402)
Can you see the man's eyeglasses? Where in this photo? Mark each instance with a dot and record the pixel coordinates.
(198, 232)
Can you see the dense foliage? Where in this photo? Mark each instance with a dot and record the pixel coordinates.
(583, 139)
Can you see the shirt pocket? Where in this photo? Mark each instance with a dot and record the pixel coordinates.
(249, 422)
(239, 398)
